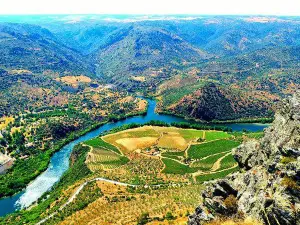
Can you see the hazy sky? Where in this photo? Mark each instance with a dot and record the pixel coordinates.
(265, 7)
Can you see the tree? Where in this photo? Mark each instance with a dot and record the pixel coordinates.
(3, 142)
(18, 139)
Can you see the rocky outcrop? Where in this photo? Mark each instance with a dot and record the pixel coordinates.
(267, 187)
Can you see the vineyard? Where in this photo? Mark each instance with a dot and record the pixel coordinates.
(103, 156)
(152, 154)
(199, 151)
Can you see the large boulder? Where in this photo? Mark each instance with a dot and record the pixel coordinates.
(267, 187)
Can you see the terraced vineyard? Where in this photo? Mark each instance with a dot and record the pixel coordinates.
(215, 175)
(98, 142)
(173, 166)
(173, 155)
(207, 163)
(190, 153)
(215, 135)
(103, 156)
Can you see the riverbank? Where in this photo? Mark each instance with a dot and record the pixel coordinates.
(76, 172)
(37, 164)
(262, 120)
(59, 162)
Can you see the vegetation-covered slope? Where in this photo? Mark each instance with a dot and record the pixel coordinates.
(34, 49)
(141, 48)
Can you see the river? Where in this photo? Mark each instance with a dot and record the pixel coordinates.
(59, 162)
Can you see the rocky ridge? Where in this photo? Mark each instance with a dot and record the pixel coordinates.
(267, 187)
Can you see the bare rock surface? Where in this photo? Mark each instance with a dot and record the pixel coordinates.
(267, 187)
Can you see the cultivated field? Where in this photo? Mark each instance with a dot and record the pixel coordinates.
(152, 154)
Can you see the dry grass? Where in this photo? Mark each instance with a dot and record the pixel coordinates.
(140, 132)
(131, 144)
(246, 221)
(172, 140)
(144, 137)
(138, 78)
(127, 99)
(142, 105)
(74, 80)
(20, 71)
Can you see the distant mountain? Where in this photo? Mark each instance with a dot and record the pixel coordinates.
(133, 50)
(32, 48)
(228, 36)
(131, 46)
(86, 37)
(259, 61)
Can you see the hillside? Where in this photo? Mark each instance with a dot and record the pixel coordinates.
(139, 48)
(77, 93)
(210, 99)
(213, 102)
(32, 49)
(267, 187)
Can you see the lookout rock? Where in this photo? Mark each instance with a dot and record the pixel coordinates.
(267, 187)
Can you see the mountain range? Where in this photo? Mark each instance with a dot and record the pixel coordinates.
(256, 58)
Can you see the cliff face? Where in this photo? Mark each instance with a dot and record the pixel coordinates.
(267, 187)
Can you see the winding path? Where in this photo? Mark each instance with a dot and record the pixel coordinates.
(217, 164)
(200, 172)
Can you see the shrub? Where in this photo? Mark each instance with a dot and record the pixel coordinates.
(169, 216)
(290, 183)
(143, 219)
(231, 204)
(286, 160)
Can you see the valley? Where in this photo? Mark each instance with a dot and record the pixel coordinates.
(58, 166)
(123, 119)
